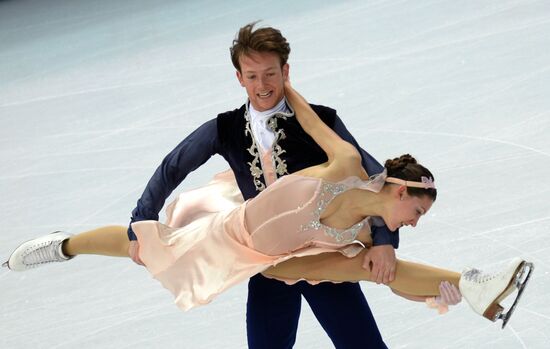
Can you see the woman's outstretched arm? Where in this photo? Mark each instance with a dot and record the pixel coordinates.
(334, 146)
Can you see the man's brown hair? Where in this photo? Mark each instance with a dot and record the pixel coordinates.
(266, 39)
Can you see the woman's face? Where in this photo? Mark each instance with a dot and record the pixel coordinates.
(407, 209)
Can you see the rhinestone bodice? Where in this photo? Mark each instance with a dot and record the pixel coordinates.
(286, 216)
(328, 191)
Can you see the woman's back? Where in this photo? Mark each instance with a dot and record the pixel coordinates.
(287, 215)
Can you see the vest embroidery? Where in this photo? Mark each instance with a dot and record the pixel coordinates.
(279, 165)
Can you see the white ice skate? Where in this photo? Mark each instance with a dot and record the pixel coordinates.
(39, 251)
(485, 291)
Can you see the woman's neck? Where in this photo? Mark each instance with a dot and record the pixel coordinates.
(366, 203)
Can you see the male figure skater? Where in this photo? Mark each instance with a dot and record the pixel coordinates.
(261, 141)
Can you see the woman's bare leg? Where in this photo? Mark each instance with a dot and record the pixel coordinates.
(108, 241)
(412, 279)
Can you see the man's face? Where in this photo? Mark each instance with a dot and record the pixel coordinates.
(262, 76)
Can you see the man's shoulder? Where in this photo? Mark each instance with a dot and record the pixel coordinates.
(232, 115)
(230, 121)
(327, 114)
(322, 108)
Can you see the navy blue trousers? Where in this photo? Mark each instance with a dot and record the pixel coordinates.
(273, 309)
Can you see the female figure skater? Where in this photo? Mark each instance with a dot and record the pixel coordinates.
(291, 232)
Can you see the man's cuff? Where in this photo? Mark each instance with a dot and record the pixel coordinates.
(131, 235)
(383, 236)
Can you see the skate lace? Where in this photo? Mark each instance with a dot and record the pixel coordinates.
(475, 275)
(45, 252)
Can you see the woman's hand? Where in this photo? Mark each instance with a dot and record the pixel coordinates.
(288, 89)
(449, 294)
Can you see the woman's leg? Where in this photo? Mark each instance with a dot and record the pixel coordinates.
(412, 279)
(108, 241)
(60, 247)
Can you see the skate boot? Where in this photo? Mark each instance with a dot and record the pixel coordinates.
(37, 252)
(485, 291)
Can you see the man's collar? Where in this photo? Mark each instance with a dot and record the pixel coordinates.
(267, 114)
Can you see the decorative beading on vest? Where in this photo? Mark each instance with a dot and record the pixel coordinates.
(255, 166)
(279, 164)
(255, 170)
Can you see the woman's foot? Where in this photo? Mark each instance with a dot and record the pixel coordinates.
(485, 291)
(39, 251)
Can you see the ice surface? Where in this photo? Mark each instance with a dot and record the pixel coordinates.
(94, 93)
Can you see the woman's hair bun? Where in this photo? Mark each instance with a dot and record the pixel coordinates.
(399, 164)
(407, 168)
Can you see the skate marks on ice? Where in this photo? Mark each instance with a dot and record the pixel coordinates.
(493, 48)
(469, 137)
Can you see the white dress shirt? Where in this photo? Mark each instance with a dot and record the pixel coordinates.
(258, 122)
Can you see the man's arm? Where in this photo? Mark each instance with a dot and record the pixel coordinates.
(191, 153)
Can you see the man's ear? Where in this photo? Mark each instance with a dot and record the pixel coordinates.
(286, 70)
(240, 78)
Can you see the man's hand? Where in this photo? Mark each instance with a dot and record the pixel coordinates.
(380, 260)
(133, 251)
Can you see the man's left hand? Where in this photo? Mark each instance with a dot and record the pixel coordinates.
(380, 260)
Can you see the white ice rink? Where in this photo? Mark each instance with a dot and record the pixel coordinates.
(93, 94)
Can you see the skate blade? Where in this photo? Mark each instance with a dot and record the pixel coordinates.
(495, 310)
(521, 280)
(6, 264)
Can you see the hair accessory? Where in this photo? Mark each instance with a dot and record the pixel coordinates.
(425, 182)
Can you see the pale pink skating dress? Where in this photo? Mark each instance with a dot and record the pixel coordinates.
(213, 241)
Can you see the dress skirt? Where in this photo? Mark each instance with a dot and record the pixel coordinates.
(204, 248)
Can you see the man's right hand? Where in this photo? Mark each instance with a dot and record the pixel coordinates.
(381, 262)
(133, 251)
